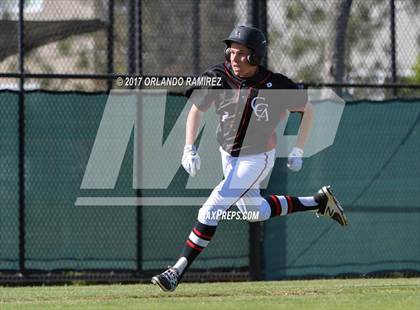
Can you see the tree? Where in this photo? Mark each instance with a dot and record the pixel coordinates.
(38, 33)
(415, 78)
(334, 41)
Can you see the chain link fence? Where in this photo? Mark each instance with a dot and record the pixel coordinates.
(185, 37)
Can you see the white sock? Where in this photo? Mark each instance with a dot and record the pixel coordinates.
(181, 264)
(308, 201)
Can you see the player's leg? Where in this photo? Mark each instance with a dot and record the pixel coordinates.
(197, 241)
(254, 207)
(240, 177)
(278, 205)
(252, 204)
(323, 202)
(273, 205)
(262, 208)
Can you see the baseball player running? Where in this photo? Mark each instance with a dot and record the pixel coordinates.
(247, 146)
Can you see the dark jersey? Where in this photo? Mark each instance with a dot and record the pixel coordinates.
(248, 109)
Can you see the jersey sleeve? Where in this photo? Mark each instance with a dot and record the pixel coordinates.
(203, 96)
(297, 96)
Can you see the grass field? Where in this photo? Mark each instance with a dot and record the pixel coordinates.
(315, 294)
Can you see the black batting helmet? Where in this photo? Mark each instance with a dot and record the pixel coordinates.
(251, 37)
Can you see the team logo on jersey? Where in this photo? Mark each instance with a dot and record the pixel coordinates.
(260, 109)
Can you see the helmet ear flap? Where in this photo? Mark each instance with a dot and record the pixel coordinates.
(227, 54)
(253, 59)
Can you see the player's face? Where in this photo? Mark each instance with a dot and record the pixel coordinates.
(239, 61)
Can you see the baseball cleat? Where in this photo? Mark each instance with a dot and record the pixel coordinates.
(332, 208)
(167, 280)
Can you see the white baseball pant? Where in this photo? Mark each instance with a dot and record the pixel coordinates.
(240, 186)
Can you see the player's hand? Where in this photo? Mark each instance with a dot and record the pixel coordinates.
(294, 161)
(191, 160)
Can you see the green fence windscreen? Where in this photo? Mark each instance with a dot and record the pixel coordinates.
(373, 166)
(9, 181)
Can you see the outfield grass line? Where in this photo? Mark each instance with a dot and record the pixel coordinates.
(330, 294)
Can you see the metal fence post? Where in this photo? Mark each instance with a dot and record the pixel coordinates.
(257, 17)
(254, 228)
(196, 37)
(139, 35)
(393, 47)
(139, 69)
(253, 13)
(262, 22)
(134, 68)
(110, 41)
(131, 37)
(22, 227)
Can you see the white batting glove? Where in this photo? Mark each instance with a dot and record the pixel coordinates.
(191, 160)
(294, 161)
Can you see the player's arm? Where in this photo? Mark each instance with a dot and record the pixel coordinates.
(306, 124)
(193, 122)
(294, 161)
(201, 100)
(190, 159)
